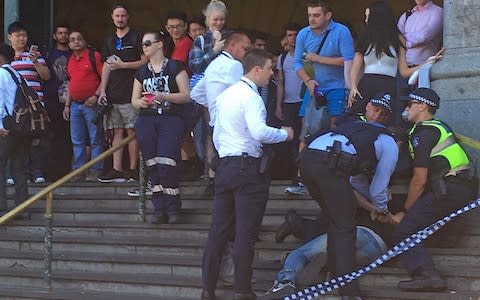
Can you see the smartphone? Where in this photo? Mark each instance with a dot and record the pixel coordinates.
(112, 59)
(33, 48)
(149, 96)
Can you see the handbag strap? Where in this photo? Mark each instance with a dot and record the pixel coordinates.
(323, 41)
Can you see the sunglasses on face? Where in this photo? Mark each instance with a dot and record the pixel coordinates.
(148, 43)
(413, 102)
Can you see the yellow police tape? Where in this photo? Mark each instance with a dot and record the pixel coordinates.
(468, 141)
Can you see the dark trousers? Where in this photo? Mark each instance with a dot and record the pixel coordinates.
(16, 150)
(160, 137)
(334, 194)
(424, 212)
(291, 118)
(239, 205)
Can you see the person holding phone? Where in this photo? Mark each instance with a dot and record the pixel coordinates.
(33, 68)
(160, 89)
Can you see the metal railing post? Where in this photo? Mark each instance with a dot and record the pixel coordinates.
(48, 241)
(142, 190)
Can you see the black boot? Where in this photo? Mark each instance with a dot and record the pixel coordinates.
(292, 219)
(424, 281)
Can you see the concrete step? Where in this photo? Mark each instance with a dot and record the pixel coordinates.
(28, 293)
(177, 287)
(458, 278)
(264, 250)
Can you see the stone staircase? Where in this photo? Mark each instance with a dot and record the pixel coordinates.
(101, 251)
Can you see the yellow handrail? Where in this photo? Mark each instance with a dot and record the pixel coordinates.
(43, 193)
(468, 141)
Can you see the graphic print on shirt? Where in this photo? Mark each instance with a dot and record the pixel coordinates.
(157, 84)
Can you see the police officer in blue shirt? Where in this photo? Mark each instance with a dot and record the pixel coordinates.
(441, 183)
(355, 146)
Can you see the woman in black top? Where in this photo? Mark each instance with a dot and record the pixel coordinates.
(160, 91)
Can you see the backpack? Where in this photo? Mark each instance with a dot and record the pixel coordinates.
(93, 63)
(29, 117)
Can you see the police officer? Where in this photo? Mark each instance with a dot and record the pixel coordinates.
(440, 185)
(240, 183)
(356, 145)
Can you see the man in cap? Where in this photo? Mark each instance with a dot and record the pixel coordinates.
(357, 145)
(440, 184)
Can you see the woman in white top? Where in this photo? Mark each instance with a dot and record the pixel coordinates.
(379, 54)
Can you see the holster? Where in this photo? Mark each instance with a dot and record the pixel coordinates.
(438, 186)
(266, 160)
(343, 163)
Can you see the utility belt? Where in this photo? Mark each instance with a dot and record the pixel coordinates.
(342, 163)
(165, 108)
(438, 184)
(244, 160)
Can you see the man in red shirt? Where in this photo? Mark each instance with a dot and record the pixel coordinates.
(176, 26)
(84, 71)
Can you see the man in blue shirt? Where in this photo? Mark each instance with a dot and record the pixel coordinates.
(331, 64)
(355, 146)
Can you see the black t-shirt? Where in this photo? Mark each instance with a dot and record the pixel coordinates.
(423, 140)
(128, 48)
(160, 82)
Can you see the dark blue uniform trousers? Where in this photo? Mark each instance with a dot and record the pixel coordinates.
(240, 197)
(424, 212)
(160, 139)
(334, 194)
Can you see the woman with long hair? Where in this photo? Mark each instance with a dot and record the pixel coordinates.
(379, 54)
(160, 91)
(205, 47)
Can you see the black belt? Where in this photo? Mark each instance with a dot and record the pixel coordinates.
(243, 160)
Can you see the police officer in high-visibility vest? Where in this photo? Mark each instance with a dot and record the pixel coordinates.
(440, 185)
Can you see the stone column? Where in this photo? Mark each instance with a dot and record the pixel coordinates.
(456, 77)
(10, 14)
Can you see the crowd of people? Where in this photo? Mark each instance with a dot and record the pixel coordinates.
(205, 99)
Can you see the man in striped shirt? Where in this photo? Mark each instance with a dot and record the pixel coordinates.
(33, 69)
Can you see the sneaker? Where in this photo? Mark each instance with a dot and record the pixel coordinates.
(78, 178)
(112, 176)
(39, 179)
(136, 192)
(93, 176)
(131, 175)
(278, 290)
(298, 189)
(10, 181)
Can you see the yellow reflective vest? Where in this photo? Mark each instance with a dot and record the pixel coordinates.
(447, 146)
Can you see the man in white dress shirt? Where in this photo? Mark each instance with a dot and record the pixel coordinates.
(241, 191)
(221, 73)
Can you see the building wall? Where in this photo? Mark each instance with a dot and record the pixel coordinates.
(269, 16)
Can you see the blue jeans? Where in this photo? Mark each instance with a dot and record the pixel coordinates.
(369, 246)
(82, 129)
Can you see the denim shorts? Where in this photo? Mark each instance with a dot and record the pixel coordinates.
(336, 102)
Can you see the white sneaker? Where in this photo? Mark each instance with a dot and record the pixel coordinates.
(136, 192)
(298, 189)
(10, 181)
(279, 290)
(39, 179)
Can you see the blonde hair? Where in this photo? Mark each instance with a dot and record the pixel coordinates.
(217, 5)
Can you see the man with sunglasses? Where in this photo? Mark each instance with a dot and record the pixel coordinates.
(440, 184)
(123, 56)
